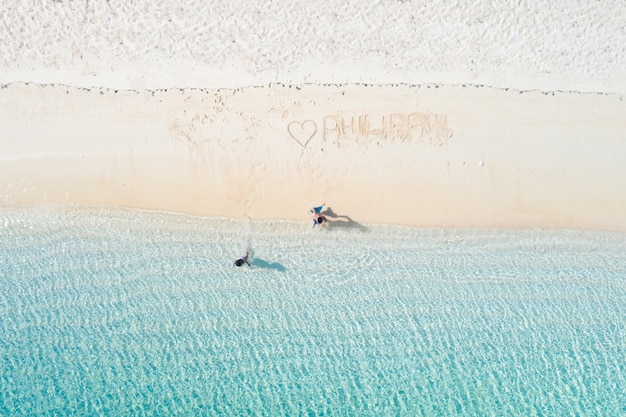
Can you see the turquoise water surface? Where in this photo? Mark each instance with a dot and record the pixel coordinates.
(122, 312)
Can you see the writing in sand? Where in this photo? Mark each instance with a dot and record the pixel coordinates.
(417, 127)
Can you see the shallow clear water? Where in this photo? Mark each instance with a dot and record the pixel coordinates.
(121, 312)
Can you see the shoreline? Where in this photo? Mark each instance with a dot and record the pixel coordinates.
(394, 112)
(172, 217)
(426, 156)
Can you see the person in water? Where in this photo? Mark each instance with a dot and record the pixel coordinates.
(318, 218)
(242, 260)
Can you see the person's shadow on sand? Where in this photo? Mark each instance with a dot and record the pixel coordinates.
(261, 263)
(341, 220)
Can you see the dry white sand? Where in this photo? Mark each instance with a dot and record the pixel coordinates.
(425, 113)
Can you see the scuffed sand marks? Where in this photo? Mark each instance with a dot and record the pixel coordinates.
(423, 155)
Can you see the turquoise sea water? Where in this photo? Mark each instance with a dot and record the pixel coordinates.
(121, 312)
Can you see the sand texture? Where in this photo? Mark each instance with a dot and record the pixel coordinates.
(422, 113)
(559, 45)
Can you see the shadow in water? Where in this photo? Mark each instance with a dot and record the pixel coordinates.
(340, 220)
(267, 265)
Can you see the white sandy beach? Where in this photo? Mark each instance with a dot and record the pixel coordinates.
(427, 114)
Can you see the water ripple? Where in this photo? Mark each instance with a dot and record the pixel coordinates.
(107, 311)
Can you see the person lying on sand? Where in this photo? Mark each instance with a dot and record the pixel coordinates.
(318, 217)
(241, 260)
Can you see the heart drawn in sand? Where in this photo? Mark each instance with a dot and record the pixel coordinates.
(302, 132)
